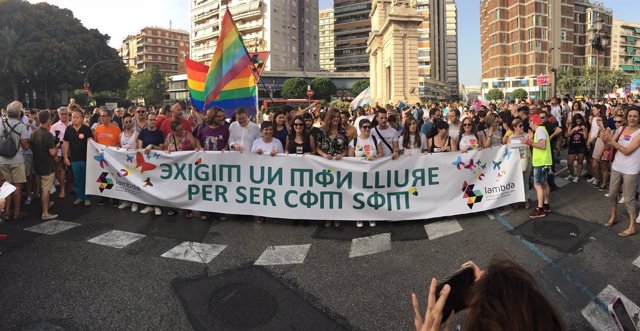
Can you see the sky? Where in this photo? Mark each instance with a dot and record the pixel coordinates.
(119, 18)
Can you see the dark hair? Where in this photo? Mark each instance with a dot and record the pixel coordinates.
(392, 118)
(433, 111)
(524, 108)
(307, 116)
(507, 297)
(126, 116)
(278, 113)
(240, 110)
(363, 122)
(573, 106)
(575, 117)
(43, 117)
(265, 125)
(292, 133)
(175, 124)
(406, 134)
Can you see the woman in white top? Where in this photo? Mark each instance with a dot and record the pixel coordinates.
(624, 169)
(128, 140)
(367, 147)
(266, 143)
(516, 141)
(412, 141)
(468, 138)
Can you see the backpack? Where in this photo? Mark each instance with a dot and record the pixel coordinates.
(8, 146)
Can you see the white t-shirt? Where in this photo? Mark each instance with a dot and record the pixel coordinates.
(130, 142)
(364, 147)
(61, 127)
(556, 111)
(20, 130)
(243, 136)
(389, 134)
(594, 128)
(541, 133)
(267, 147)
(413, 149)
(627, 164)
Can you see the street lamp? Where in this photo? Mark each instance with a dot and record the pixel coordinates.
(599, 40)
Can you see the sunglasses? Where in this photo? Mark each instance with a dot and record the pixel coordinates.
(140, 112)
(618, 122)
(467, 124)
(519, 126)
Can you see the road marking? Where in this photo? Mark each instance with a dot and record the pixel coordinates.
(194, 252)
(599, 318)
(637, 262)
(440, 229)
(277, 255)
(370, 245)
(52, 227)
(116, 238)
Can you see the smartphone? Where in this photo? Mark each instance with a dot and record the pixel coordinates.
(621, 316)
(461, 283)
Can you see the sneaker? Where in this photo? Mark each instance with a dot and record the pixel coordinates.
(602, 187)
(56, 183)
(77, 202)
(146, 210)
(134, 207)
(157, 210)
(606, 195)
(102, 201)
(52, 190)
(546, 208)
(87, 203)
(51, 203)
(359, 224)
(372, 223)
(124, 205)
(49, 217)
(621, 200)
(590, 180)
(568, 178)
(595, 182)
(575, 179)
(538, 212)
(28, 200)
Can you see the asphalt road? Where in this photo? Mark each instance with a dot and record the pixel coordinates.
(316, 278)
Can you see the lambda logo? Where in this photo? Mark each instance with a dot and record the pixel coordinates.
(105, 182)
(472, 196)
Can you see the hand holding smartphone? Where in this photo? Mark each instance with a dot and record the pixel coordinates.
(461, 283)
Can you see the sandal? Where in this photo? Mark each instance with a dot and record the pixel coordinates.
(188, 214)
(626, 234)
(610, 224)
(172, 212)
(204, 216)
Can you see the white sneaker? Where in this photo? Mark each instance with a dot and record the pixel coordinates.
(621, 200)
(595, 183)
(575, 179)
(568, 178)
(56, 183)
(158, 211)
(134, 207)
(591, 180)
(52, 190)
(372, 223)
(606, 195)
(359, 224)
(124, 205)
(146, 210)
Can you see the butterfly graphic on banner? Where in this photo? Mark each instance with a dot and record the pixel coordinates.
(100, 158)
(142, 164)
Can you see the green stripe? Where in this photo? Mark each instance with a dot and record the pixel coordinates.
(238, 93)
(197, 95)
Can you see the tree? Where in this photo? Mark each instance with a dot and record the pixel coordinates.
(519, 94)
(148, 85)
(294, 88)
(359, 86)
(495, 94)
(323, 88)
(55, 52)
(10, 65)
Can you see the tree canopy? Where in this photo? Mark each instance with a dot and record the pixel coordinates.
(583, 82)
(323, 88)
(519, 94)
(359, 86)
(148, 85)
(294, 88)
(45, 49)
(495, 94)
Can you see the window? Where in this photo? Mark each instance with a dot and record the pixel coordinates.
(563, 35)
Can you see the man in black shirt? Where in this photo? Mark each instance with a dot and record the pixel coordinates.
(313, 130)
(44, 150)
(75, 154)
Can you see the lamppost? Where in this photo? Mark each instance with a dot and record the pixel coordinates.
(599, 39)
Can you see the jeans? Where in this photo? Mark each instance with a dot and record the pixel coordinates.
(79, 178)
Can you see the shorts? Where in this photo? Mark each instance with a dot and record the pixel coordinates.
(13, 173)
(28, 164)
(580, 149)
(47, 182)
(540, 174)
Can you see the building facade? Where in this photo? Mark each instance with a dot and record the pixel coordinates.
(438, 49)
(523, 39)
(351, 29)
(286, 28)
(625, 46)
(327, 39)
(164, 48)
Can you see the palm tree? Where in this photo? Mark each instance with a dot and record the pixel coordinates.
(11, 67)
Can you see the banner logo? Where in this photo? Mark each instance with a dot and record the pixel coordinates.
(105, 182)
(472, 196)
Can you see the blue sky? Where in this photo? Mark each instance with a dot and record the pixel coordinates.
(469, 32)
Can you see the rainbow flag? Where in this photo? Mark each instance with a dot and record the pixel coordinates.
(229, 60)
(239, 92)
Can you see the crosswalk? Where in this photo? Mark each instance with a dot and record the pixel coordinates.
(273, 255)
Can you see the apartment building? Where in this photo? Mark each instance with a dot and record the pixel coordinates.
(625, 46)
(165, 48)
(287, 28)
(327, 40)
(351, 29)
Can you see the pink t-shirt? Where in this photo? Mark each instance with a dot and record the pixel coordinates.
(60, 127)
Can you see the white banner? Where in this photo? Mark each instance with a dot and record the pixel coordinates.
(310, 187)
